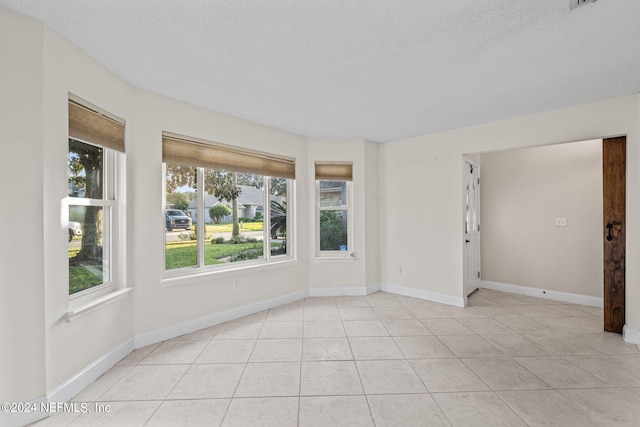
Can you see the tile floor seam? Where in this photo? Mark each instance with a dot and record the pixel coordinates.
(153, 413)
(300, 382)
(564, 357)
(356, 365)
(442, 410)
(512, 409)
(476, 374)
(589, 345)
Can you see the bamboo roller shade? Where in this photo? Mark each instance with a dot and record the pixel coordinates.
(334, 171)
(91, 126)
(188, 152)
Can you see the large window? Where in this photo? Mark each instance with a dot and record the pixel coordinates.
(91, 163)
(224, 206)
(333, 230)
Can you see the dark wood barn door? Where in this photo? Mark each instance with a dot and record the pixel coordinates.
(613, 186)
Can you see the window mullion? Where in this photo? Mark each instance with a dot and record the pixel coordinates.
(317, 221)
(266, 227)
(349, 210)
(107, 247)
(75, 201)
(290, 218)
(108, 172)
(200, 225)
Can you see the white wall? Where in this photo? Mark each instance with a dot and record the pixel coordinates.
(421, 190)
(40, 350)
(158, 302)
(407, 203)
(371, 214)
(72, 346)
(523, 192)
(334, 276)
(22, 334)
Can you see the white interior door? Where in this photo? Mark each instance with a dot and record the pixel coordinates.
(472, 226)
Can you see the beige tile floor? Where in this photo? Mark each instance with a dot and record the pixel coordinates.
(380, 360)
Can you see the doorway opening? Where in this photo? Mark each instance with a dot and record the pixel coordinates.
(544, 221)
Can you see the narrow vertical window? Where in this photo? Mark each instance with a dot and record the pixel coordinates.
(333, 230)
(94, 140)
(279, 220)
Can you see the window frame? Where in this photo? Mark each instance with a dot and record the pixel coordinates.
(109, 201)
(266, 260)
(347, 207)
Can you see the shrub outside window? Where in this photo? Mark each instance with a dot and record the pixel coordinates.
(334, 216)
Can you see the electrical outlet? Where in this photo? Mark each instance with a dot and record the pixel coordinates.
(561, 222)
(236, 286)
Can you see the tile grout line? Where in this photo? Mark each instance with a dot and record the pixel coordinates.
(588, 341)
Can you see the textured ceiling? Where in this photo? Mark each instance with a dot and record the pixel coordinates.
(375, 69)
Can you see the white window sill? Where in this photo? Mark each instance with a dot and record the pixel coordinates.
(189, 277)
(97, 303)
(332, 258)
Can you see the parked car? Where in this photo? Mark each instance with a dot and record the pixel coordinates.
(176, 218)
(75, 229)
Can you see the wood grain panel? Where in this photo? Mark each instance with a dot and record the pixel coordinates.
(613, 186)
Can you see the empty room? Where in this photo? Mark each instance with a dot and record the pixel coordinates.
(320, 213)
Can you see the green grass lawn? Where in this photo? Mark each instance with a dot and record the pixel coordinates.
(83, 277)
(183, 254)
(178, 255)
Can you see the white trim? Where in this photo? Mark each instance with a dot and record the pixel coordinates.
(543, 293)
(631, 335)
(96, 304)
(182, 277)
(23, 418)
(176, 330)
(458, 301)
(347, 291)
(70, 388)
(74, 385)
(331, 258)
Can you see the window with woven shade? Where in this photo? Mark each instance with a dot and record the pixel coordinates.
(333, 203)
(96, 141)
(224, 206)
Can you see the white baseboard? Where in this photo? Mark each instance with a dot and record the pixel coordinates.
(631, 336)
(74, 385)
(162, 334)
(543, 293)
(343, 291)
(69, 389)
(458, 301)
(23, 417)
